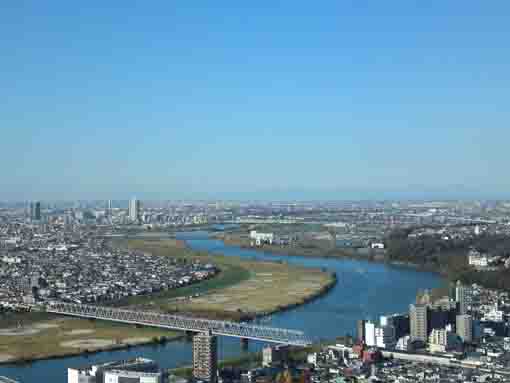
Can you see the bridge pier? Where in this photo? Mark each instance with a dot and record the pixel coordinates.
(244, 344)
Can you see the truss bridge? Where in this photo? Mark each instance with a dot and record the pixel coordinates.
(183, 323)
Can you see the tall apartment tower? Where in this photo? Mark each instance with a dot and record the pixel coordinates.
(134, 209)
(205, 357)
(460, 297)
(418, 321)
(464, 328)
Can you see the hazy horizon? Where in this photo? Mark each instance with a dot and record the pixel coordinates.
(273, 100)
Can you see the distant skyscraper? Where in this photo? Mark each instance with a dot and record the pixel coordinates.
(205, 357)
(134, 210)
(461, 297)
(108, 210)
(35, 211)
(464, 328)
(418, 322)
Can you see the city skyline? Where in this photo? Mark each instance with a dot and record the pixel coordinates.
(227, 101)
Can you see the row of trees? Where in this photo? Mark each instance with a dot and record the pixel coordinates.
(450, 256)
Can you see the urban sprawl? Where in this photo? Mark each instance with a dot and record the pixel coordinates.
(64, 252)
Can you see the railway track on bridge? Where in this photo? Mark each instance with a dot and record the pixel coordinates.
(183, 323)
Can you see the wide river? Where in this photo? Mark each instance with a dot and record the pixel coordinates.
(364, 290)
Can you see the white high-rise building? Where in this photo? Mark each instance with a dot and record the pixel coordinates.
(370, 334)
(441, 340)
(134, 210)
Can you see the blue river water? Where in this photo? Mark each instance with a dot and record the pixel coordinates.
(364, 290)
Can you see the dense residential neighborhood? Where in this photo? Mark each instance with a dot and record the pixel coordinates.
(44, 263)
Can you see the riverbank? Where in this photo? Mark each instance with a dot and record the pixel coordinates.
(66, 337)
(368, 255)
(265, 287)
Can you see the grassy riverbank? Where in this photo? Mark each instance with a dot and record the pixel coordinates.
(60, 337)
(259, 288)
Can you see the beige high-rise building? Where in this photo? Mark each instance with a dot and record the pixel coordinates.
(464, 327)
(205, 357)
(418, 321)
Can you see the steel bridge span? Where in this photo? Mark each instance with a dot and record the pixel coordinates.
(182, 323)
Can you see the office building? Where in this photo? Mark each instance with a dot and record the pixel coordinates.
(399, 321)
(464, 328)
(35, 211)
(385, 337)
(205, 357)
(437, 318)
(418, 322)
(137, 370)
(134, 210)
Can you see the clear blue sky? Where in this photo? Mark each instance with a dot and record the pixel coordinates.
(268, 99)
